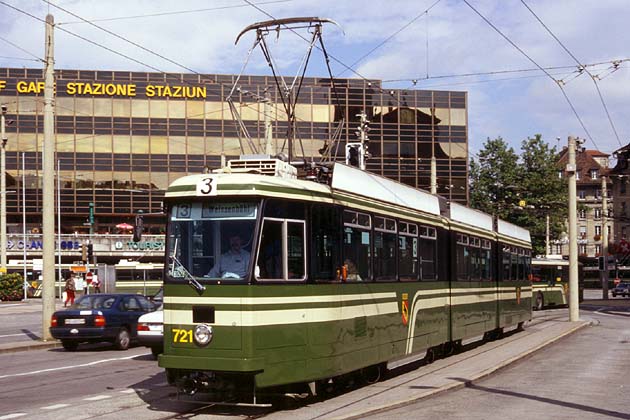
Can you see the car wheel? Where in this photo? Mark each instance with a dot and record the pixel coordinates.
(69, 345)
(540, 301)
(123, 339)
(156, 351)
(614, 294)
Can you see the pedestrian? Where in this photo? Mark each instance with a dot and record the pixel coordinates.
(70, 288)
(96, 284)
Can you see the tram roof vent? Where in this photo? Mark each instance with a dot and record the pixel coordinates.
(262, 166)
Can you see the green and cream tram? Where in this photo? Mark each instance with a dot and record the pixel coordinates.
(275, 283)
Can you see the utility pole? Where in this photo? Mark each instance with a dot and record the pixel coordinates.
(604, 272)
(3, 195)
(574, 310)
(48, 186)
(433, 175)
(269, 149)
(547, 247)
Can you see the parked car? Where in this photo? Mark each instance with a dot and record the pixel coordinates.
(151, 331)
(622, 289)
(100, 317)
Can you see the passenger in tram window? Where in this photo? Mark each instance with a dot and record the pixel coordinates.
(352, 270)
(233, 263)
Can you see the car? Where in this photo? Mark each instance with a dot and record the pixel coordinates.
(622, 289)
(151, 331)
(100, 318)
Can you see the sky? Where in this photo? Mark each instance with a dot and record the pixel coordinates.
(407, 44)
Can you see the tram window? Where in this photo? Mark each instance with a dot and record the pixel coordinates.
(427, 256)
(475, 263)
(357, 242)
(506, 263)
(463, 262)
(325, 242)
(384, 249)
(295, 250)
(270, 261)
(515, 267)
(283, 209)
(408, 251)
(281, 254)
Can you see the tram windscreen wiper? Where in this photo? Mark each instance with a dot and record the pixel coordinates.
(178, 270)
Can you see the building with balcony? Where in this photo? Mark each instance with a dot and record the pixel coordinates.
(592, 170)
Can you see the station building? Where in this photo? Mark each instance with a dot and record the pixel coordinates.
(123, 136)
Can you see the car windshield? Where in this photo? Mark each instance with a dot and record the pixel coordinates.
(95, 302)
(211, 240)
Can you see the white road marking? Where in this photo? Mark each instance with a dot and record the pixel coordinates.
(11, 335)
(12, 416)
(97, 398)
(96, 362)
(56, 406)
(127, 391)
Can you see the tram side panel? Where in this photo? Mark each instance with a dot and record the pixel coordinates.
(515, 291)
(473, 291)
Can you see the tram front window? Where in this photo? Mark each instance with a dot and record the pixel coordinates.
(211, 240)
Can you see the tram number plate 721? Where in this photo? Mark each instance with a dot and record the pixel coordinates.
(182, 335)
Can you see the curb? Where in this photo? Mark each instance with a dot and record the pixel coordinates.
(458, 385)
(26, 346)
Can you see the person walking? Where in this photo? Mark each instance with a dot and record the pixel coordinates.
(70, 288)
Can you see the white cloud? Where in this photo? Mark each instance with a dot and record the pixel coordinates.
(459, 42)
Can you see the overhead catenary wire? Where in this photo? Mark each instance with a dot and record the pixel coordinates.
(175, 12)
(599, 93)
(35, 57)
(566, 97)
(390, 37)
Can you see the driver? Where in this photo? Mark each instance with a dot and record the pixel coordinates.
(235, 260)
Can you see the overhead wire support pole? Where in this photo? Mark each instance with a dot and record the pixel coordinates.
(574, 310)
(48, 186)
(3, 194)
(604, 272)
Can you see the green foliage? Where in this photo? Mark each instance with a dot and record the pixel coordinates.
(11, 287)
(501, 182)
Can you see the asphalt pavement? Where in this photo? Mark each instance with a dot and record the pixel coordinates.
(478, 361)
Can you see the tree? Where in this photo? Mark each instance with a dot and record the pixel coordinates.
(493, 179)
(520, 190)
(542, 190)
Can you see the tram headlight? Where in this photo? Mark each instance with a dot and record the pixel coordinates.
(203, 335)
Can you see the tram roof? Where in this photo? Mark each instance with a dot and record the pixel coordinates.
(471, 217)
(512, 231)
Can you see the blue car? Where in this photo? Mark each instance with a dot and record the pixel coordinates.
(100, 317)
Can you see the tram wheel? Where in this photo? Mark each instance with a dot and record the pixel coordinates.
(540, 301)
(372, 374)
(430, 356)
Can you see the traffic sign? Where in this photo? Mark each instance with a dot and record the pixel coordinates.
(88, 277)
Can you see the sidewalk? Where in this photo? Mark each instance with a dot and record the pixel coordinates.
(32, 306)
(443, 375)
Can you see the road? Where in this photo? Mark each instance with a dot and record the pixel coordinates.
(582, 376)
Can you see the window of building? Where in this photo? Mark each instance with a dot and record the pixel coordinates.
(598, 213)
(582, 213)
(582, 249)
(582, 194)
(594, 173)
(598, 249)
(598, 230)
(582, 232)
(577, 175)
(622, 186)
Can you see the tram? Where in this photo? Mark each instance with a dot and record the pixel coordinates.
(550, 281)
(275, 284)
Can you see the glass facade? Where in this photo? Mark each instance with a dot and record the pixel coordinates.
(122, 137)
